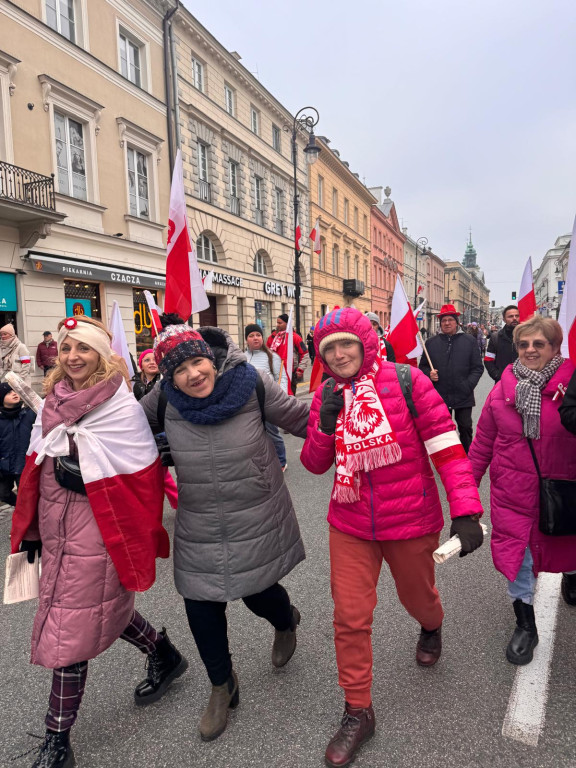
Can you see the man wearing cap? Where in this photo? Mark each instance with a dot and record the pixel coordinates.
(457, 369)
(46, 353)
(278, 343)
(501, 350)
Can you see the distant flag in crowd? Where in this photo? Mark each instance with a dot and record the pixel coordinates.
(119, 342)
(527, 297)
(208, 280)
(567, 315)
(155, 313)
(290, 344)
(404, 332)
(420, 308)
(298, 237)
(315, 237)
(185, 293)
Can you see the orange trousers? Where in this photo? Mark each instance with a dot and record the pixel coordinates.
(354, 571)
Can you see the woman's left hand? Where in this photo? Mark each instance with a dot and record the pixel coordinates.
(468, 529)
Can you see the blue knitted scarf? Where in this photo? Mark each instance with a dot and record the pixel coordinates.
(231, 392)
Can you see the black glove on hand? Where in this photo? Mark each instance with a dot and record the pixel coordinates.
(164, 450)
(329, 411)
(31, 547)
(470, 533)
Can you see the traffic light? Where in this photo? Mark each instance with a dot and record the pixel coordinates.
(513, 295)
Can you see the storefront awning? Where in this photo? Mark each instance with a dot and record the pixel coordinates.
(86, 270)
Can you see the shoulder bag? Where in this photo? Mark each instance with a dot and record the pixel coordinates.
(557, 503)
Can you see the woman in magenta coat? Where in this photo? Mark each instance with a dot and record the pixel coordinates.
(384, 505)
(524, 406)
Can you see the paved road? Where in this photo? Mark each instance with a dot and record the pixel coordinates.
(449, 715)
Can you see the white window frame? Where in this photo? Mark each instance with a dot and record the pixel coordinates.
(137, 41)
(203, 162)
(134, 153)
(346, 211)
(321, 191)
(254, 120)
(233, 178)
(8, 67)
(258, 190)
(259, 267)
(356, 220)
(335, 259)
(200, 249)
(198, 74)
(58, 97)
(276, 138)
(334, 202)
(80, 23)
(58, 27)
(136, 138)
(69, 144)
(229, 100)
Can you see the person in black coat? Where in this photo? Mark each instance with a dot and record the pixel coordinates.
(145, 381)
(457, 369)
(501, 350)
(16, 423)
(567, 410)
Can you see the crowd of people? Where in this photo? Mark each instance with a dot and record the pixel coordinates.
(91, 506)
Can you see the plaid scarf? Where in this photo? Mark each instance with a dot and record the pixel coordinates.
(528, 398)
(364, 438)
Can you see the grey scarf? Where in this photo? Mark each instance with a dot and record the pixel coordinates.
(528, 399)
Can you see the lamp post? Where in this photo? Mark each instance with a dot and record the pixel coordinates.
(422, 242)
(304, 120)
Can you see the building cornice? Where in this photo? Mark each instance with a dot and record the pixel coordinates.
(332, 161)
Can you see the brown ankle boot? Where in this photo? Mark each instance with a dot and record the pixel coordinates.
(429, 647)
(357, 726)
(215, 717)
(285, 641)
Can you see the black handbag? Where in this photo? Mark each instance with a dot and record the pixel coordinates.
(68, 475)
(557, 504)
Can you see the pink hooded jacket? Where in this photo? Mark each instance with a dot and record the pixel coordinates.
(514, 490)
(398, 501)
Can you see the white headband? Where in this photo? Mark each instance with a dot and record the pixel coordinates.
(90, 334)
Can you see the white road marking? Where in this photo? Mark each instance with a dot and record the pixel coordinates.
(526, 711)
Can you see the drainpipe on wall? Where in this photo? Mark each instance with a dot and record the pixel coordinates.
(175, 98)
(166, 27)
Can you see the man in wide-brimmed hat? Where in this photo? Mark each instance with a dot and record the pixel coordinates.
(457, 369)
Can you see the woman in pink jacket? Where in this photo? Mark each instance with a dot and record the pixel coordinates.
(523, 408)
(384, 505)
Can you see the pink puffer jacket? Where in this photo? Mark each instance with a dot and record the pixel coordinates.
(399, 501)
(514, 494)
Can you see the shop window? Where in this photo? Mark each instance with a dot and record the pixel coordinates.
(263, 317)
(82, 299)
(142, 320)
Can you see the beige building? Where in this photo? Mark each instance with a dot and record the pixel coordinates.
(238, 175)
(84, 171)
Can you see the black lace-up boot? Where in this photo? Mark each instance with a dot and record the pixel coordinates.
(164, 665)
(55, 751)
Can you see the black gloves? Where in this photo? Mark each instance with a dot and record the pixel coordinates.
(164, 450)
(470, 533)
(329, 411)
(31, 547)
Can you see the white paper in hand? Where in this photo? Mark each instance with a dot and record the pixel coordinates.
(22, 578)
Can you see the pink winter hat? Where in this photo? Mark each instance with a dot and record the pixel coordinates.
(143, 355)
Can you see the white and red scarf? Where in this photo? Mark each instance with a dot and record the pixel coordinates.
(364, 438)
(124, 483)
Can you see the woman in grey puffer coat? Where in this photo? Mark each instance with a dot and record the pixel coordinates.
(236, 531)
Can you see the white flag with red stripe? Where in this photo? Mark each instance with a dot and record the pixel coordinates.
(315, 237)
(155, 313)
(185, 293)
(567, 315)
(290, 345)
(527, 296)
(119, 341)
(403, 334)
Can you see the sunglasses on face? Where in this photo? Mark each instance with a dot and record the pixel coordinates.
(538, 344)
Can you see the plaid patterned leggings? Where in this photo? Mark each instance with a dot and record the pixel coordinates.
(68, 683)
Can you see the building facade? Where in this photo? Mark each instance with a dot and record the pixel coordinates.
(435, 267)
(415, 257)
(464, 287)
(549, 277)
(84, 175)
(238, 177)
(342, 205)
(387, 253)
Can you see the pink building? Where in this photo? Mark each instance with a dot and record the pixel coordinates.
(387, 254)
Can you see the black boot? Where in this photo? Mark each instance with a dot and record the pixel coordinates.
(164, 665)
(55, 751)
(525, 638)
(569, 588)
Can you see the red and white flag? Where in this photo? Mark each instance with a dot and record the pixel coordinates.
(298, 237)
(403, 334)
(208, 280)
(527, 297)
(290, 344)
(119, 341)
(155, 313)
(315, 237)
(185, 293)
(567, 315)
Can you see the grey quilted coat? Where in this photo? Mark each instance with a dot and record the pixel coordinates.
(236, 530)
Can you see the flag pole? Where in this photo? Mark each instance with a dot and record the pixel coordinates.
(281, 369)
(425, 350)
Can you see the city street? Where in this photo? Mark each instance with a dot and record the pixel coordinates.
(450, 715)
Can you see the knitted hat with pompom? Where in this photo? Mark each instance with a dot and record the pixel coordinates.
(177, 343)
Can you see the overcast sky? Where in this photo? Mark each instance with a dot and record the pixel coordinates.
(465, 108)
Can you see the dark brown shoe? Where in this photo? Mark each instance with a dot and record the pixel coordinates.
(429, 647)
(285, 642)
(357, 726)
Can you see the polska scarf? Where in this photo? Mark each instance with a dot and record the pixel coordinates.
(528, 396)
(364, 438)
(231, 392)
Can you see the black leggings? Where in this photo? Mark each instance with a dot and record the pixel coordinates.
(207, 620)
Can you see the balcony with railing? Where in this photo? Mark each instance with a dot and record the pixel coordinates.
(205, 191)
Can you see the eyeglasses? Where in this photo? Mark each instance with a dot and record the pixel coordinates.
(537, 344)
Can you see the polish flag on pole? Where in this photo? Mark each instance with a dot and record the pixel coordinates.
(298, 238)
(155, 313)
(527, 297)
(290, 345)
(119, 342)
(185, 293)
(208, 280)
(567, 315)
(315, 237)
(404, 333)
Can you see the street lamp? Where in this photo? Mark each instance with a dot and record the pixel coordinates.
(422, 242)
(303, 121)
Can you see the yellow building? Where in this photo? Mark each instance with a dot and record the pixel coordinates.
(84, 172)
(342, 204)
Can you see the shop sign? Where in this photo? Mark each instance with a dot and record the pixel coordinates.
(8, 301)
(78, 269)
(78, 307)
(223, 279)
(277, 289)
